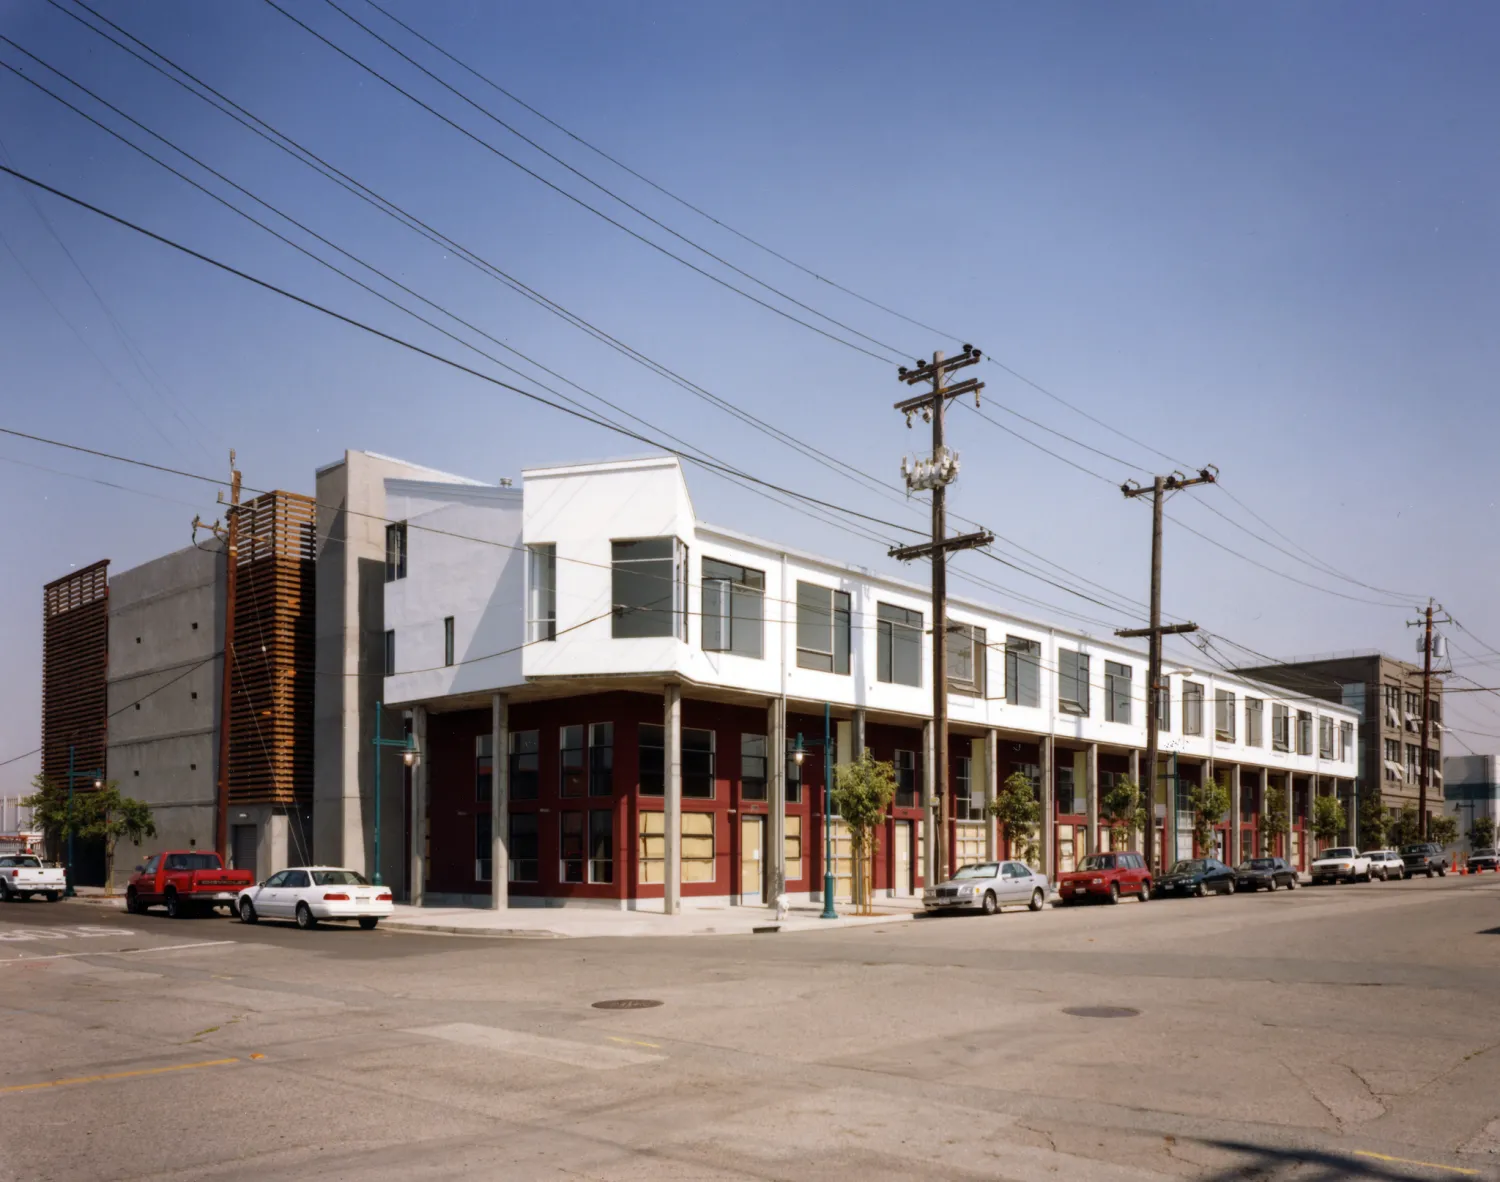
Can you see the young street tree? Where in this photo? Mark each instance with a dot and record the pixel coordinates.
(862, 795)
(103, 814)
(1274, 822)
(1124, 806)
(1442, 829)
(1481, 833)
(1209, 802)
(1329, 819)
(1405, 828)
(1374, 824)
(1016, 807)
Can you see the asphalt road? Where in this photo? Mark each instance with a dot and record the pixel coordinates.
(1342, 1032)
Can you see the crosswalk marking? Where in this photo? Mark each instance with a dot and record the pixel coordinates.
(591, 1057)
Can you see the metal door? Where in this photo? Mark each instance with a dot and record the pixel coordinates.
(752, 860)
(242, 847)
(902, 879)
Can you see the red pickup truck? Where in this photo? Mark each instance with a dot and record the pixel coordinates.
(186, 882)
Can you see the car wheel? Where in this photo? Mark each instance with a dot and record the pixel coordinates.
(1114, 893)
(247, 911)
(1144, 895)
(1200, 890)
(989, 904)
(305, 919)
(53, 896)
(1229, 886)
(1442, 872)
(368, 922)
(5, 893)
(1038, 901)
(175, 909)
(1293, 883)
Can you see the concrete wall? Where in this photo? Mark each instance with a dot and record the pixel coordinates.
(350, 638)
(166, 640)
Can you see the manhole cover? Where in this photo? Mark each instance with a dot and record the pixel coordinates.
(627, 1003)
(1101, 1011)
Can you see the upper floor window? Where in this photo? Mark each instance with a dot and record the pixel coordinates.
(1390, 696)
(649, 588)
(390, 653)
(1117, 678)
(1346, 741)
(1435, 709)
(1023, 671)
(1304, 732)
(1326, 737)
(1255, 710)
(1281, 728)
(1413, 702)
(1192, 708)
(1352, 694)
(447, 640)
(1224, 715)
(1072, 681)
(898, 645)
(822, 628)
(733, 608)
(1164, 706)
(541, 592)
(753, 767)
(968, 648)
(395, 551)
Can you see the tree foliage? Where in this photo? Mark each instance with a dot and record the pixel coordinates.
(98, 813)
(48, 803)
(1481, 833)
(1329, 821)
(862, 795)
(1209, 802)
(1405, 828)
(1442, 829)
(1016, 807)
(1274, 818)
(1374, 824)
(1124, 806)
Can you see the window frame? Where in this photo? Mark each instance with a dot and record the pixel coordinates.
(1117, 702)
(1281, 727)
(1192, 708)
(642, 746)
(576, 820)
(1304, 732)
(601, 759)
(976, 637)
(1255, 720)
(1074, 679)
(572, 761)
(484, 847)
(897, 636)
(1021, 653)
(706, 758)
(837, 614)
(541, 592)
(484, 783)
(721, 616)
(748, 760)
(607, 817)
(390, 652)
(674, 564)
(524, 783)
(913, 769)
(447, 642)
(1226, 707)
(396, 551)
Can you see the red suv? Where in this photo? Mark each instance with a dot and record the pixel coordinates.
(1106, 876)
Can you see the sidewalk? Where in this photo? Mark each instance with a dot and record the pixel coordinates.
(587, 922)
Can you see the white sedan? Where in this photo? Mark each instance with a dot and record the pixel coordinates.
(311, 893)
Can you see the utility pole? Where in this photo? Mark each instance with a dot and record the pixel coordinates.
(229, 534)
(1425, 622)
(935, 474)
(1159, 486)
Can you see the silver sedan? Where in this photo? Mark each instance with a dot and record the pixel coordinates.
(987, 887)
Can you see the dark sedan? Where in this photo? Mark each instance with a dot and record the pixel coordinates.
(1265, 873)
(1483, 860)
(1197, 876)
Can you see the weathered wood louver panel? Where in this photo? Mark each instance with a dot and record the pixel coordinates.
(75, 662)
(270, 734)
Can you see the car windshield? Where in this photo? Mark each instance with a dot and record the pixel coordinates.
(1194, 866)
(978, 870)
(1098, 862)
(1414, 849)
(338, 878)
(1339, 852)
(1262, 863)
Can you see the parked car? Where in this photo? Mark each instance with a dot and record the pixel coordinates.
(1478, 860)
(1197, 876)
(988, 886)
(1106, 876)
(24, 875)
(1425, 857)
(309, 894)
(1341, 863)
(186, 882)
(1267, 873)
(1385, 864)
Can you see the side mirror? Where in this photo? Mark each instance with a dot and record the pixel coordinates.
(140, 870)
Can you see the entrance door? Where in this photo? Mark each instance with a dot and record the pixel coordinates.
(752, 860)
(242, 843)
(901, 882)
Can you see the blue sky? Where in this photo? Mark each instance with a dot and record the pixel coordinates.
(1262, 237)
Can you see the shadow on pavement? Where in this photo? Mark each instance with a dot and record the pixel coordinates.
(1318, 1165)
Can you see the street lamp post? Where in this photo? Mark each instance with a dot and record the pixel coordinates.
(829, 879)
(408, 748)
(98, 778)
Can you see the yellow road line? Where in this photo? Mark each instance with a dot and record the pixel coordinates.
(634, 1043)
(83, 1079)
(1407, 1161)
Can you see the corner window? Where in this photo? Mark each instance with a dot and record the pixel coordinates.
(1192, 708)
(523, 847)
(898, 645)
(390, 653)
(1072, 681)
(1023, 671)
(447, 640)
(967, 666)
(601, 759)
(525, 764)
(753, 767)
(601, 846)
(1117, 679)
(395, 551)
(697, 764)
(649, 588)
(1224, 714)
(1255, 710)
(1281, 727)
(822, 628)
(571, 762)
(733, 608)
(541, 592)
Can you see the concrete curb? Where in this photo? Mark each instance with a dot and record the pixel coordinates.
(771, 927)
(489, 933)
(116, 902)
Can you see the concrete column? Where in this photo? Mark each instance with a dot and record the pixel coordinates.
(1136, 836)
(776, 820)
(1265, 788)
(1236, 854)
(419, 809)
(1291, 812)
(859, 733)
(500, 804)
(672, 810)
(991, 786)
(1049, 812)
(929, 829)
(1091, 790)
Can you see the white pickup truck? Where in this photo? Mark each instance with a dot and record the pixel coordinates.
(1341, 863)
(24, 875)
